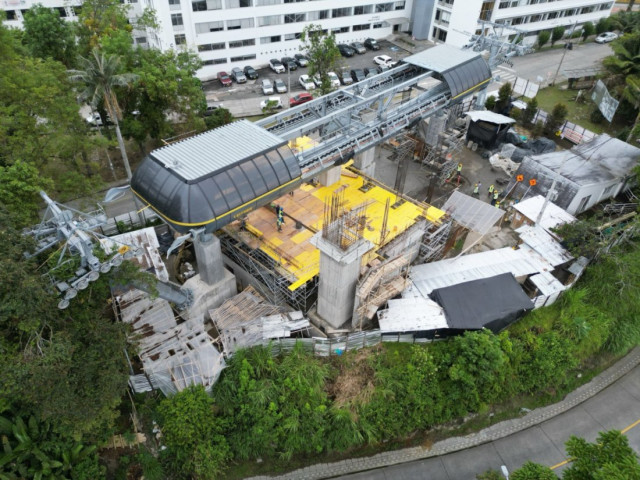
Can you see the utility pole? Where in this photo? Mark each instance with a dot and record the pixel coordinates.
(566, 47)
(289, 84)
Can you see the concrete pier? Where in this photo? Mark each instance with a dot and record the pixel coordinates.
(209, 258)
(330, 176)
(366, 161)
(339, 272)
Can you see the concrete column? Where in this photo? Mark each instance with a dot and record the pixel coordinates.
(330, 176)
(437, 125)
(209, 257)
(339, 272)
(366, 161)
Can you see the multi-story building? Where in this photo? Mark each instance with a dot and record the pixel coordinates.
(228, 33)
(455, 21)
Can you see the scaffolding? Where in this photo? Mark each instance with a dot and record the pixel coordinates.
(273, 282)
(434, 241)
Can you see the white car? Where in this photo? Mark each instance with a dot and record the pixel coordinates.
(306, 82)
(333, 78)
(276, 65)
(606, 37)
(275, 102)
(267, 86)
(385, 60)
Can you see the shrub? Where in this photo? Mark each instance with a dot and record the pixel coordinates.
(588, 29)
(530, 112)
(490, 104)
(556, 119)
(543, 38)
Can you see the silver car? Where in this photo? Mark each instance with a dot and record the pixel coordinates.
(238, 75)
(281, 87)
(267, 86)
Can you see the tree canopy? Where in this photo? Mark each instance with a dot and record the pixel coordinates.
(322, 51)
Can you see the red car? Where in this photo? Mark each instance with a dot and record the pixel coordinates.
(225, 79)
(299, 99)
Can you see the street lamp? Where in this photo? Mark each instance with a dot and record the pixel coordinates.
(505, 472)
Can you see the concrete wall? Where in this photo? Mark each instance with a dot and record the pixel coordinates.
(337, 289)
(422, 18)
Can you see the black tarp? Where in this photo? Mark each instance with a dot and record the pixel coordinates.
(487, 134)
(492, 303)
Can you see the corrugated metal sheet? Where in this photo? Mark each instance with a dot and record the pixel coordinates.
(444, 273)
(552, 217)
(216, 149)
(411, 315)
(461, 69)
(473, 214)
(537, 238)
(547, 283)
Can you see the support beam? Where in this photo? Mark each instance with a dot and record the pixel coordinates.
(366, 161)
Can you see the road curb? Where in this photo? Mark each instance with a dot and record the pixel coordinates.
(454, 444)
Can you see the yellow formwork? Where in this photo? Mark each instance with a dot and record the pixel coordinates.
(307, 206)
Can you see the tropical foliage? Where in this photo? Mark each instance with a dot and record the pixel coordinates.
(321, 49)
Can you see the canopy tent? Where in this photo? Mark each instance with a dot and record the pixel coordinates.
(493, 303)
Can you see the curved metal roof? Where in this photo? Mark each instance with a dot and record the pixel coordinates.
(211, 179)
(461, 69)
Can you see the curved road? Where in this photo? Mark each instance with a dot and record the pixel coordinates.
(616, 407)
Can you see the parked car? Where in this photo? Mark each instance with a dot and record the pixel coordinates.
(224, 78)
(238, 75)
(333, 78)
(301, 60)
(606, 37)
(267, 86)
(280, 86)
(212, 108)
(346, 50)
(357, 74)
(358, 47)
(250, 72)
(384, 60)
(275, 102)
(276, 65)
(370, 72)
(306, 82)
(345, 77)
(371, 44)
(299, 99)
(289, 63)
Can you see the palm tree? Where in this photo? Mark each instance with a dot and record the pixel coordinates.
(99, 75)
(624, 65)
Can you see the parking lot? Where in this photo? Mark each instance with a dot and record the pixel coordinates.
(244, 100)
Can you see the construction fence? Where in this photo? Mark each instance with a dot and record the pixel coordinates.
(326, 347)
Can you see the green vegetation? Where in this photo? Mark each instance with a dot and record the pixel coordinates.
(556, 34)
(320, 47)
(543, 38)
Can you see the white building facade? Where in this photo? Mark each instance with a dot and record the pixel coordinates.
(454, 21)
(230, 33)
(235, 33)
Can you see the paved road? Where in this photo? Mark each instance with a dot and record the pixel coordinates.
(616, 407)
(544, 64)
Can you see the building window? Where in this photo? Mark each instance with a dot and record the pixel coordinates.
(294, 1)
(176, 19)
(242, 43)
(377, 25)
(535, 18)
(340, 30)
(292, 36)
(174, 2)
(503, 5)
(11, 14)
(180, 39)
(239, 3)
(399, 5)
(215, 61)
(384, 7)
(552, 15)
(294, 18)
(207, 27)
(341, 12)
(239, 23)
(362, 10)
(260, 3)
(140, 40)
(269, 20)
(242, 58)
(211, 46)
(359, 28)
(439, 34)
(318, 15)
(273, 39)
